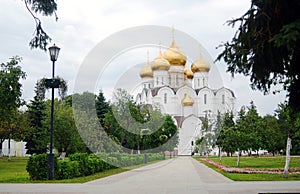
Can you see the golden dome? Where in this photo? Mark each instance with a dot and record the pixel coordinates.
(146, 71)
(200, 65)
(160, 63)
(187, 100)
(174, 55)
(188, 73)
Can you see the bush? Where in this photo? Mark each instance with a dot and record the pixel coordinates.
(67, 169)
(82, 159)
(37, 166)
(83, 164)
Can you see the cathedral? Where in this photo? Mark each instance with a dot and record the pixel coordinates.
(181, 90)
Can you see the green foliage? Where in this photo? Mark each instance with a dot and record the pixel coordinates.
(251, 132)
(126, 121)
(37, 166)
(46, 8)
(67, 169)
(102, 107)
(66, 136)
(225, 138)
(37, 135)
(10, 97)
(274, 140)
(266, 47)
(289, 124)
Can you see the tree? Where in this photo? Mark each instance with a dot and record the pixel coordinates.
(128, 121)
(289, 123)
(10, 96)
(266, 47)
(274, 139)
(102, 107)
(88, 125)
(66, 137)
(36, 137)
(225, 138)
(46, 8)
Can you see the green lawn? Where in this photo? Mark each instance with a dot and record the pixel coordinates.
(256, 162)
(14, 171)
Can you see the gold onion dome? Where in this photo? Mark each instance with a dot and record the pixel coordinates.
(146, 71)
(188, 73)
(174, 55)
(200, 65)
(160, 63)
(187, 100)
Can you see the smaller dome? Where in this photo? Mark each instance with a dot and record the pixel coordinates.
(174, 55)
(200, 65)
(188, 73)
(160, 63)
(187, 100)
(146, 71)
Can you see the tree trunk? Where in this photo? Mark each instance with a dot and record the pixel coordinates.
(9, 149)
(288, 157)
(220, 150)
(1, 141)
(238, 158)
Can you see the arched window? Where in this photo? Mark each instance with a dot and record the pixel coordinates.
(205, 98)
(165, 98)
(223, 99)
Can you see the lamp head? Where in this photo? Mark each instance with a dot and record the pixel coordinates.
(53, 51)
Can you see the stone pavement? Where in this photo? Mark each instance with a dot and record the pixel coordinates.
(179, 175)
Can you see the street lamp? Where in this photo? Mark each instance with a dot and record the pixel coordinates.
(144, 132)
(53, 51)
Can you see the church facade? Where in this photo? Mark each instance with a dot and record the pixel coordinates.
(181, 90)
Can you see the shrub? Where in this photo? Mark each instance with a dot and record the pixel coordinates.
(67, 169)
(37, 166)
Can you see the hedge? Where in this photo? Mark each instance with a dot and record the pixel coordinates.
(83, 164)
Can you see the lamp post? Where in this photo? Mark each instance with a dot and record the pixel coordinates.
(144, 132)
(53, 51)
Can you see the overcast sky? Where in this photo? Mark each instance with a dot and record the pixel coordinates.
(83, 24)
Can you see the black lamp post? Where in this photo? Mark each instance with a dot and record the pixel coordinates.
(53, 51)
(144, 132)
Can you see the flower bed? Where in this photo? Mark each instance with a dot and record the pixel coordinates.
(249, 170)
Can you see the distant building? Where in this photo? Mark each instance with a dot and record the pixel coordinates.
(181, 90)
(16, 148)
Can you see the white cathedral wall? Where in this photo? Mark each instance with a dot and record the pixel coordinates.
(205, 105)
(188, 133)
(168, 100)
(160, 78)
(225, 100)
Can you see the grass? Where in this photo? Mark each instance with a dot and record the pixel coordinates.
(14, 171)
(256, 162)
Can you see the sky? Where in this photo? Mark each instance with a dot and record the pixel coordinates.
(83, 25)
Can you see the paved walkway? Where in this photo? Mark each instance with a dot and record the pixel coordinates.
(179, 175)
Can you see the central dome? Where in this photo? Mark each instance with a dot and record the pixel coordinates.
(174, 55)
